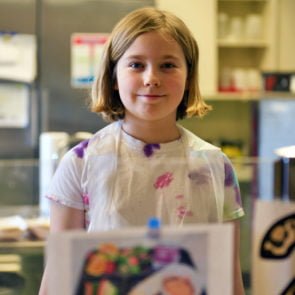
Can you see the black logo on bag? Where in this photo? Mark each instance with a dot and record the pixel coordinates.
(279, 240)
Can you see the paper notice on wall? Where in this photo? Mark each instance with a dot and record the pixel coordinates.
(18, 57)
(274, 248)
(86, 50)
(14, 105)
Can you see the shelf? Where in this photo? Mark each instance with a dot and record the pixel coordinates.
(241, 1)
(242, 43)
(22, 245)
(245, 46)
(247, 95)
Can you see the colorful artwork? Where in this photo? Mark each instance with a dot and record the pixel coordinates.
(162, 269)
(128, 261)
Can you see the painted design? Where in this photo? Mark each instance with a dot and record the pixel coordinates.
(182, 211)
(113, 270)
(85, 199)
(55, 199)
(229, 175)
(163, 180)
(179, 197)
(80, 148)
(230, 180)
(201, 176)
(149, 149)
(237, 194)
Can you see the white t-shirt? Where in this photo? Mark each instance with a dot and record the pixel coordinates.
(121, 181)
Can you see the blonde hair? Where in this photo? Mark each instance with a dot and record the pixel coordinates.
(106, 100)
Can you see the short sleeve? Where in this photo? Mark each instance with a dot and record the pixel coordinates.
(232, 196)
(65, 187)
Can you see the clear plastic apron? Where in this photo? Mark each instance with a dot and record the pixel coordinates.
(122, 190)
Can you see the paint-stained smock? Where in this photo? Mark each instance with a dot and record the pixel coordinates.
(121, 181)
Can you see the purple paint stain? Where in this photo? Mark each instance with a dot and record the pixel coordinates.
(229, 175)
(200, 176)
(164, 255)
(238, 195)
(79, 149)
(149, 148)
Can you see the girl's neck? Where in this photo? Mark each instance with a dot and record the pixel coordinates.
(152, 132)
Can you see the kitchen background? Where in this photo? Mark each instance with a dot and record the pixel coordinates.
(246, 73)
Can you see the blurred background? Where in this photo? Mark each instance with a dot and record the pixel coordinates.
(49, 50)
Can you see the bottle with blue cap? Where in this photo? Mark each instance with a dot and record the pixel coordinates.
(154, 228)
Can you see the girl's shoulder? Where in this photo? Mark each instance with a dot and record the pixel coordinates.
(101, 141)
(108, 130)
(196, 143)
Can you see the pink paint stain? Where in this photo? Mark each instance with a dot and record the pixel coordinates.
(181, 212)
(85, 199)
(163, 180)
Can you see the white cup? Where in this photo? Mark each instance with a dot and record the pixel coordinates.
(225, 82)
(223, 25)
(236, 30)
(253, 26)
(254, 80)
(239, 77)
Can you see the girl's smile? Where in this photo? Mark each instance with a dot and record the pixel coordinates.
(151, 97)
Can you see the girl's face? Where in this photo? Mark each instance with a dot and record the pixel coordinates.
(151, 78)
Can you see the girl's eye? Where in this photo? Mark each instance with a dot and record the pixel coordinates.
(136, 65)
(168, 65)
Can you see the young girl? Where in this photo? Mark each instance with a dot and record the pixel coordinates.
(144, 164)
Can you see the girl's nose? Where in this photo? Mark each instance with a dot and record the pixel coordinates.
(151, 79)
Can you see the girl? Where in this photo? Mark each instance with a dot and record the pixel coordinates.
(144, 164)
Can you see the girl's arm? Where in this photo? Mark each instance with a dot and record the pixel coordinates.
(65, 218)
(61, 218)
(238, 288)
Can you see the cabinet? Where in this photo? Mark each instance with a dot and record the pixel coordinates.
(286, 41)
(245, 42)
(255, 51)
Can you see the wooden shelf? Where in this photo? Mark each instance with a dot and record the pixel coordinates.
(241, 1)
(224, 43)
(247, 95)
(245, 51)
